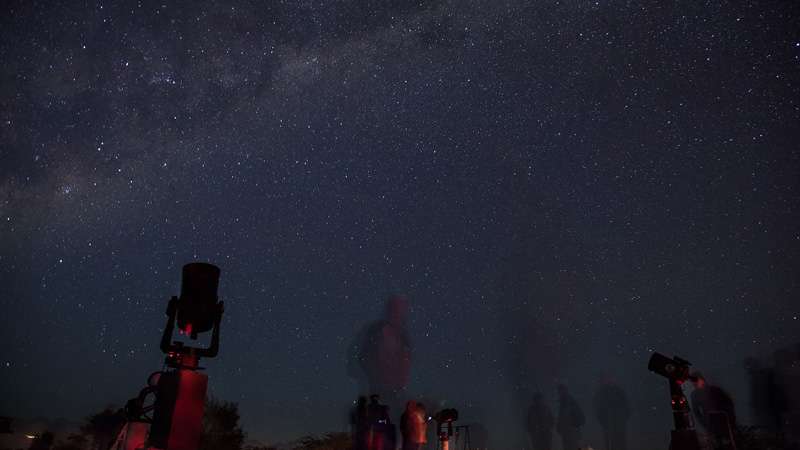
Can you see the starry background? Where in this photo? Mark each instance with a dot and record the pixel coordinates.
(560, 188)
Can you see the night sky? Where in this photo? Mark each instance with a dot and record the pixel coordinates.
(559, 188)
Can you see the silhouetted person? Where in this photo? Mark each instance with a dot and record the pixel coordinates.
(479, 436)
(787, 374)
(414, 426)
(767, 402)
(381, 353)
(612, 411)
(714, 410)
(540, 423)
(570, 419)
(359, 424)
(381, 432)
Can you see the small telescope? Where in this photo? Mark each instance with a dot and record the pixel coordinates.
(444, 424)
(446, 415)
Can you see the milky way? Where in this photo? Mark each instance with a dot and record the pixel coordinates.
(559, 188)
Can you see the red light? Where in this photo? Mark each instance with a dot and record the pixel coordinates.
(188, 329)
(187, 417)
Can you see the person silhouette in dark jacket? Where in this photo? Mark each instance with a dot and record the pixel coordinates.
(359, 424)
(382, 434)
(570, 419)
(612, 411)
(767, 401)
(540, 423)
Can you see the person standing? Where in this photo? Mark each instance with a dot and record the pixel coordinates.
(414, 426)
(767, 401)
(612, 411)
(714, 410)
(359, 424)
(540, 423)
(380, 355)
(381, 429)
(570, 419)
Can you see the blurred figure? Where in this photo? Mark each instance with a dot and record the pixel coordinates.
(479, 436)
(380, 356)
(767, 402)
(359, 424)
(540, 423)
(714, 410)
(612, 411)
(787, 373)
(381, 434)
(414, 426)
(570, 419)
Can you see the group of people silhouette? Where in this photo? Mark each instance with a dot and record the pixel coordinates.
(372, 428)
(774, 401)
(380, 360)
(712, 407)
(611, 410)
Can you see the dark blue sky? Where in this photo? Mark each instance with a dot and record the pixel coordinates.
(560, 188)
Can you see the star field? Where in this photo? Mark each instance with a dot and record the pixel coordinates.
(560, 189)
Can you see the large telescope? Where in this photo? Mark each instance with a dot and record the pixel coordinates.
(174, 420)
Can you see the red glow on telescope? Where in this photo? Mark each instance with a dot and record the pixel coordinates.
(187, 417)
